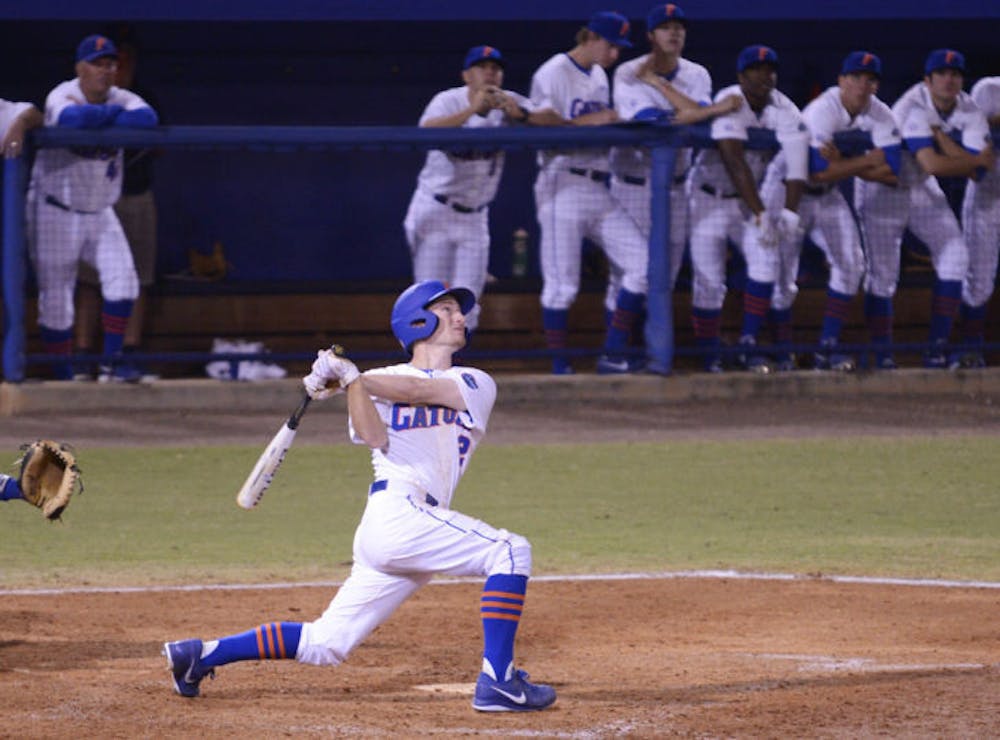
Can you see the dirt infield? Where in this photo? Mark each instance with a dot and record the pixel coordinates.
(646, 657)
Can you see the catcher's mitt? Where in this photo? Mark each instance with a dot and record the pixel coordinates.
(49, 476)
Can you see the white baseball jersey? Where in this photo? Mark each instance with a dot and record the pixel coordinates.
(826, 116)
(718, 215)
(571, 91)
(85, 180)
(430, 446)
(917, 115)
(632, 95)
(471, 177)
(981, 211)
(9, 111)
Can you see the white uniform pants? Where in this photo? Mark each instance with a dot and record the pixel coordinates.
(981, 227)
(572, 208)
(449, 246)
(635, 199)
(923, 208)
(58, 240)
(399, 545)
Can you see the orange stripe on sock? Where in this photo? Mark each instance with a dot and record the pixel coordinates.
(508, 617)
(270, 640)
(502, 595)
(281, 641)
(501, 605)
(260, 642)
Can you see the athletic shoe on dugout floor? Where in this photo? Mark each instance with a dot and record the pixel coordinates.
(830, 359)
(119, 370)
(184, 661)
(515, 695)
(617, 365)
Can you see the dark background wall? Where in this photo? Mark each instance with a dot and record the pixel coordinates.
(325, 216)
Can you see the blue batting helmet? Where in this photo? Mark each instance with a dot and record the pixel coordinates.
(411, 321)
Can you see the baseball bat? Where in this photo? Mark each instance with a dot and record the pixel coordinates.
(267, 464)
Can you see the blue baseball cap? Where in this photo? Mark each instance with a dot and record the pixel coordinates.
(660, 14)
(94, 47)
(861, 61)
(944, 59)
(756, 54)
(479, 54)
(611, 26)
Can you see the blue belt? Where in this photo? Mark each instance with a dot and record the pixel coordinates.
(381, 485)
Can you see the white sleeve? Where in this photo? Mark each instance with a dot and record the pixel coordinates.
(127, 99)
(730, 126)
(630, 94)
(8, 112)
(701, 93)
(441, 104)
(793, 136)
(545, 93)
(976, 136)
(819, 123)
(479, 392)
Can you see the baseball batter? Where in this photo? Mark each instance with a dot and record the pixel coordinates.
(69, 211)
(929, 113)
(981, 228)
(423, 421)
(726, 205)
(660, 85)
(823, 210)
(447, 224)
(572, 198)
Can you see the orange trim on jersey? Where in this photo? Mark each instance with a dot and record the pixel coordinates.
(503, 595)
(281, 641)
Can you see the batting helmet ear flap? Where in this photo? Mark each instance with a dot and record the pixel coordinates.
(411, 321)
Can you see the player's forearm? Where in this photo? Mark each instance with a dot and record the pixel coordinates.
(368, 425)
(962, 164)
(793, 194)
(453, 121)
(545, 117)
(414, 390)
(881, 173)
(731, 152)
(597, 118)
(88, 115)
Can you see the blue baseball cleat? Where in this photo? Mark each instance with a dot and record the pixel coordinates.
(184, 661)
(515, 695)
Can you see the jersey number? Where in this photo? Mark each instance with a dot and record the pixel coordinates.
(463, 448)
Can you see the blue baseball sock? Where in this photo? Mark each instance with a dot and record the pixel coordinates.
(878, 313)
(58, 342)
(9, 489)
(945, 302)
(705, 322)
(269, 641)
(500, 607)
(114, 319)
(627, 309)
(837, 307)
(555, 322)
(781, 330)
(973, 323)
(756, 302)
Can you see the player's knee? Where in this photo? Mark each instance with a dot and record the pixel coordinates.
(511, 556)
(315, 649)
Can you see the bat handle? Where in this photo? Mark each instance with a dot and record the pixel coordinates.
(296, 417)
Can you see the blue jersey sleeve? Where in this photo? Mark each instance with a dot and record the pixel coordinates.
(88, 115)
(916, 143)
(817, 162)
(893, 157)
(144, 117)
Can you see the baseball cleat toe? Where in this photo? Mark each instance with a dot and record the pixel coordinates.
(515, 695)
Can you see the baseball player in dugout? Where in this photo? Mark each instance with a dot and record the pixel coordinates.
(981, 227)
(447, 223)
(422, 421)
(660, 86)
(929, 114)
(69, 211)
(136, 211)
(823, 211)
(572, 198)
(727, 205)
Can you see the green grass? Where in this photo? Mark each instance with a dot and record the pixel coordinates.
(923, 507)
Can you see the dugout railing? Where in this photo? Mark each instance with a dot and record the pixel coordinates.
(663, 141)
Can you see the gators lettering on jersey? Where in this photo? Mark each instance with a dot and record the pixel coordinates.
(431, 443)
(571, 91)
